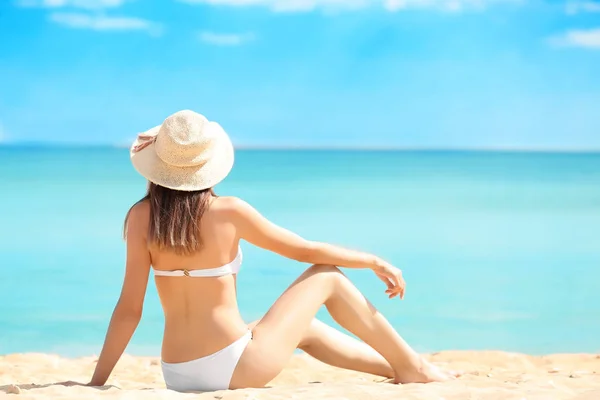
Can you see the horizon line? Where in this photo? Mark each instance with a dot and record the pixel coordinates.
(512, 149)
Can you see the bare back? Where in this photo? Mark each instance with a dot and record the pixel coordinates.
(201, 313)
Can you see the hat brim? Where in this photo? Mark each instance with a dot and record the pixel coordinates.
(201, 177)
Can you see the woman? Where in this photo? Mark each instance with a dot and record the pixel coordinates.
(191, 239)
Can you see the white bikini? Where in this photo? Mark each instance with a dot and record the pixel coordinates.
(212, 372)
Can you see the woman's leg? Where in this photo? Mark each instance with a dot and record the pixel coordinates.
(335, 348)
(284, 326)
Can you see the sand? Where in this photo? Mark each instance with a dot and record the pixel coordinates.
(488, 375)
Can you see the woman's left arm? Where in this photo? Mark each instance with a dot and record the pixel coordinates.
(128, 311)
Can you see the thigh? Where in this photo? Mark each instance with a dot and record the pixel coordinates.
(277, 335)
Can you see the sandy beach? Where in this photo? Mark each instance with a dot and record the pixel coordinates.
(488, 375)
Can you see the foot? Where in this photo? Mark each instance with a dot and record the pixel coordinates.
(455, 374)
(451, 373)
(426, 373)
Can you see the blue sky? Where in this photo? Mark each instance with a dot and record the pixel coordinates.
(358, 73)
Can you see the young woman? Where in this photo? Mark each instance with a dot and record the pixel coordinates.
(190, 238)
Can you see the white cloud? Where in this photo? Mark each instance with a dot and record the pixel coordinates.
(225, 39)
(442, 5)
(95, 19)
(288, 5)
(446, 5)
(309, 5)
(390, 5)
(86, 4)
(576, 7)
(105, 23)
(586, 38)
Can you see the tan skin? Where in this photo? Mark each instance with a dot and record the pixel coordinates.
(202, 315)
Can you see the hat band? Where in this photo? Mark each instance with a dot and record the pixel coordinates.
(143, 142)
(146, 140)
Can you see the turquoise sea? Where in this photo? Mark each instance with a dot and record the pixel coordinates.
(500, 250)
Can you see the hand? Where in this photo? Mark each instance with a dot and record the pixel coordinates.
(392, 277)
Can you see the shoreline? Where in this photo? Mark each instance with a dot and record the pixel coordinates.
(488, 375)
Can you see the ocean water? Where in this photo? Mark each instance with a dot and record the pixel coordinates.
(499, 250)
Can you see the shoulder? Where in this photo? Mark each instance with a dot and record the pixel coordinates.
(235, 210)
(138, 216)
(230, 206)
(246, 219)
(140, 210)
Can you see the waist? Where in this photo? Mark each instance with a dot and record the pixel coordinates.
(189, 336)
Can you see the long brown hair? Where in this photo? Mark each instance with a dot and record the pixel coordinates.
(175, 218)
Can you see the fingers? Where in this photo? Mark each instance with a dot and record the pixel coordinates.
(393, 292)
(401, 286)
(394, 282)
(398, 287)
(386, 280)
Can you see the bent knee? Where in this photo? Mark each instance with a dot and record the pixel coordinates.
(325, 271)
(323, 268)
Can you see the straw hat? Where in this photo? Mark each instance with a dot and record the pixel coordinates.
(187, 152)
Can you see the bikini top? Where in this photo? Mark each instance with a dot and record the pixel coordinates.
(231, 268)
